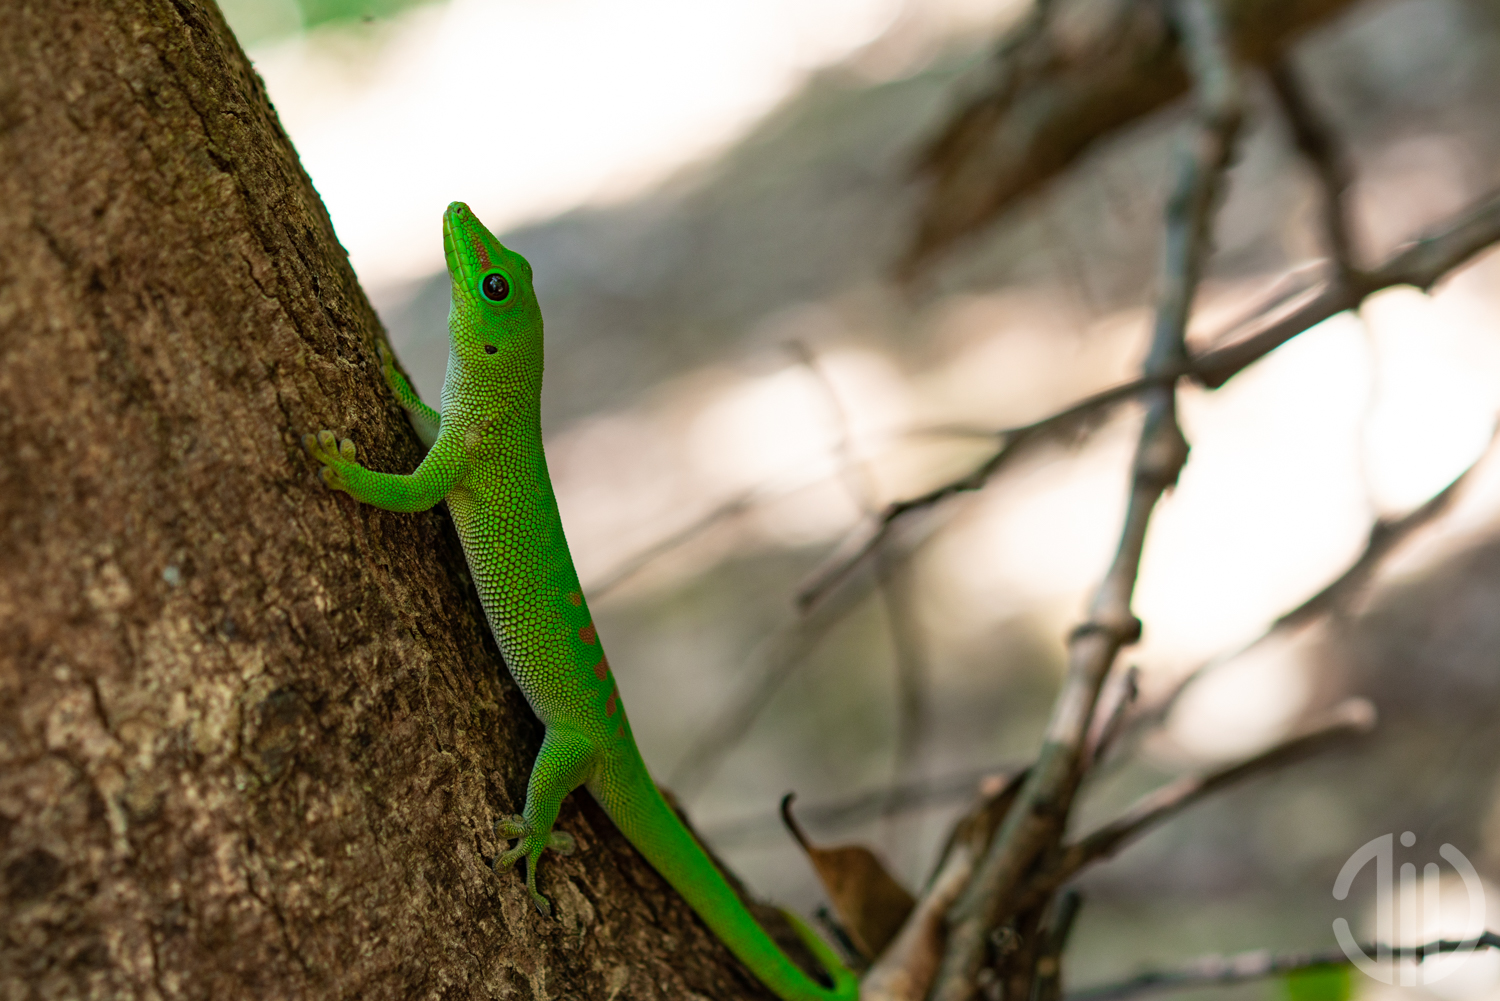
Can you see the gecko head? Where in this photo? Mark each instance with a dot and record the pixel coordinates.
(495, 319)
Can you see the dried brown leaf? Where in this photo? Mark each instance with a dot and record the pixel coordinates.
(870, 903)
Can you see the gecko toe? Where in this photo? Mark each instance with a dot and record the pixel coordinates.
(510, 858)
(510, 827)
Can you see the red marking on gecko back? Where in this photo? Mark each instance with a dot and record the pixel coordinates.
(575, 599)
(609, 706)
(619, 731)
(588, 634)
(601, 669)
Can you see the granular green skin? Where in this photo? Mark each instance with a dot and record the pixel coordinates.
(486, 459)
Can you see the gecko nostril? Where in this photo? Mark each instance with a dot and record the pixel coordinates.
(490, 349)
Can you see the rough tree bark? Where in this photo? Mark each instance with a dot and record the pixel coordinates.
(252, 735)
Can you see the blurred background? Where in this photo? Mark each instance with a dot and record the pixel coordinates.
(714, 196)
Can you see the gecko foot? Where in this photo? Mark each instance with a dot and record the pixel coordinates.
(336, 456)
(516, 826)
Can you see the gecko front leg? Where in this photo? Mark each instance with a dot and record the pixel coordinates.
(439, 472)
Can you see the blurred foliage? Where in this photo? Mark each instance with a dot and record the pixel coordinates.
(257, 21)
(1321, 983)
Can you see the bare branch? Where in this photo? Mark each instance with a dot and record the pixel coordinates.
(1422, 264)
(912, 672)
(905, 971)
(1222, 971)
(1349, 719)
(1014, 442)
(1070, 73)
(1036, 821)
(1316, 141)
(633, 565)
(1108, 725)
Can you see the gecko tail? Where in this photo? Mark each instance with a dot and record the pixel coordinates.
(845, 983)
(627, 793)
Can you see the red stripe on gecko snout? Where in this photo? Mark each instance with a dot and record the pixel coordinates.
(482, 252)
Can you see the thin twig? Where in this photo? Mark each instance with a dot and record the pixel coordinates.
(1352, 718)
(1109, 723)
(769, 664)
(1036, 821)
(905, 633)
(1014, 442)
(912, 683)
(1318, 143)
(907, 648)
(1385, 536)
(855, 809)
(1222, 971)
(1420, 264)
(1339, 594)
(634, 564)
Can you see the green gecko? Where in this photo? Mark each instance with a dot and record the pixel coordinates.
(485, 459)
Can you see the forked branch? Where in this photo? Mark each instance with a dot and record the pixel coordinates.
(1035, 823)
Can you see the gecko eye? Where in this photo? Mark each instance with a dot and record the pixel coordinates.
(495, 286)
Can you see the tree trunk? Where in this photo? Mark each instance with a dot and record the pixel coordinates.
(252, 735)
